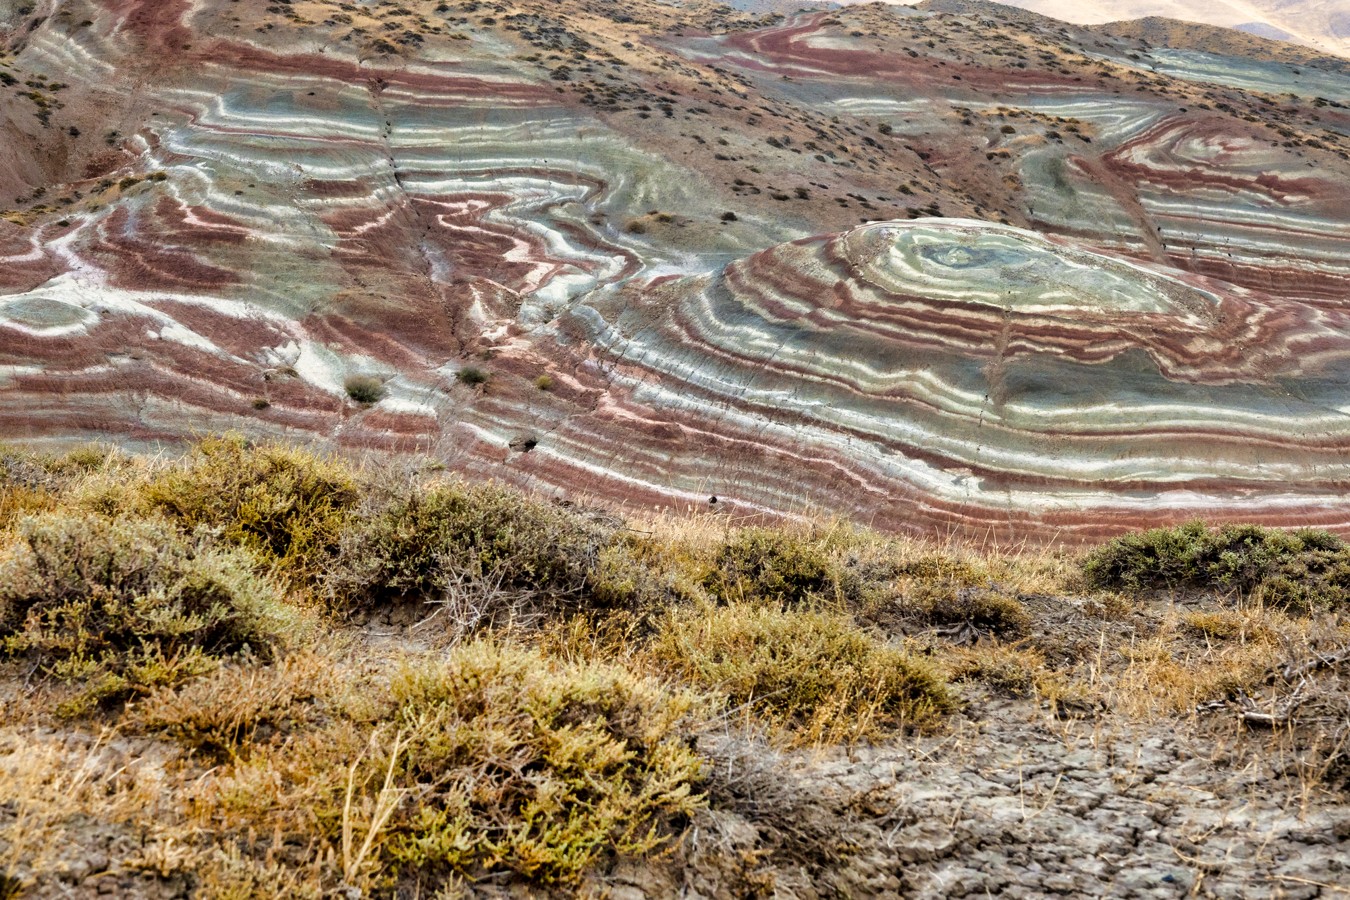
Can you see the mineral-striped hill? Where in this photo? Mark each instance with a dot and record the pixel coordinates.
(950, 268)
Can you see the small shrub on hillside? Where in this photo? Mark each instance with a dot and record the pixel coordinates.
(491, 544)
(84, 460)
(364, 388)
(772, 565)
(121, 607)
(283, 503)
(814, 675)
(620, 579)
(23, 470)
(471, 376)
(1305, 569)
(936, 567)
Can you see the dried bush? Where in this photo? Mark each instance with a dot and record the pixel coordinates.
(1010, 669)
(486, 551)
(943, 603)
(125, 606)
(31, 483)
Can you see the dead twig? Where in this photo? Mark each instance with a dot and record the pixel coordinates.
(1280, 716)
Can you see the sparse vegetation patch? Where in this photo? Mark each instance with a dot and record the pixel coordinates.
(261, 671)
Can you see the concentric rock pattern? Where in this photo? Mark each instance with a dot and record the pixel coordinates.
(927, 270)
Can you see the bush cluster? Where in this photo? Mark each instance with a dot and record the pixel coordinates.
(494, 760)
(1305, 569)
(124, 606)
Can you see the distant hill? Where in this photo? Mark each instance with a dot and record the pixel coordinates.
(1321, 24)
(944, 268)
(1179, 35)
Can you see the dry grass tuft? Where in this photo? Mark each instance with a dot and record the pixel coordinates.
(53, 788)
(240, 706)
(1246, 625)
(1170, 671)
(1007, 668)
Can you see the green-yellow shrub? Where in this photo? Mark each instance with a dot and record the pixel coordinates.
(498, 760)
(226, 712)
(123, 606)
(537, 769)
(284, 504)
(772, 565)
(1306, 568)
(811, 675)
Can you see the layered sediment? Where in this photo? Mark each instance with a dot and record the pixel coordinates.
(935, 271)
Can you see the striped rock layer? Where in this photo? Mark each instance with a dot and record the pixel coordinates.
(929, 271)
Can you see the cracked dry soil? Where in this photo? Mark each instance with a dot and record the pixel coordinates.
(1021, 804)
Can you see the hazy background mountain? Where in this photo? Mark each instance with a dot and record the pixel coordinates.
(1324, 24)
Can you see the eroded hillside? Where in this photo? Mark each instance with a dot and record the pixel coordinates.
(634, 253)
